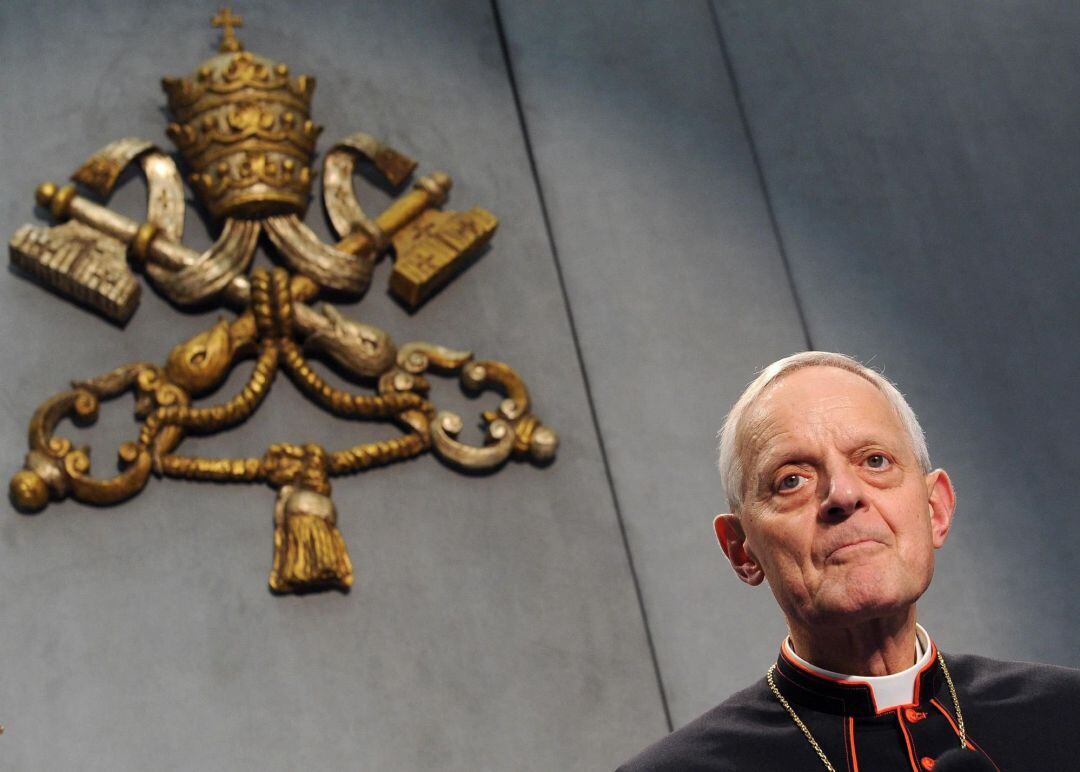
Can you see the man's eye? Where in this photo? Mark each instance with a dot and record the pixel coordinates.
(791, 482)
(877, 461)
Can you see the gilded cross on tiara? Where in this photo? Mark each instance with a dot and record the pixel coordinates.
(226, 19)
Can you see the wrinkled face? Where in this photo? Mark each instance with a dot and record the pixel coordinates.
(837, 511)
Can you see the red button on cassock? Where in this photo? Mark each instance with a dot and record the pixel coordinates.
(914, 716)
(927, 762)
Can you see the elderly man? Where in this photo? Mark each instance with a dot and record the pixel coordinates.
(834, 504)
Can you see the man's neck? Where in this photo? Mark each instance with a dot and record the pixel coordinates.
(877, 647)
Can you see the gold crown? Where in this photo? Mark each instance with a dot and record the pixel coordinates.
(244, 128)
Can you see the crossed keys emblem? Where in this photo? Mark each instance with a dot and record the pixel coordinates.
(243, 128)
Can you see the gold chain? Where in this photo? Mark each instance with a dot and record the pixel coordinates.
(814, 743)
(797, 720)
(955, 702)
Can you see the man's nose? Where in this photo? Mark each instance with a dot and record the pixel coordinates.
(844, 495)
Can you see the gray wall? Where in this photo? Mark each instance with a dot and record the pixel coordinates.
(687, 192)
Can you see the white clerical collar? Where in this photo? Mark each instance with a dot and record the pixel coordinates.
(889, 690)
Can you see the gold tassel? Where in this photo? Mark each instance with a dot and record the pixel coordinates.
(309, 551)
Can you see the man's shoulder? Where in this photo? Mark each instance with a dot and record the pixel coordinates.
(1019, 712)
(996, 683)
(713, 740)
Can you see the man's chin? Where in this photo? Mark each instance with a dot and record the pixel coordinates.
(850, 605)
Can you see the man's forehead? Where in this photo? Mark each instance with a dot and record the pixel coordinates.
(815, 399)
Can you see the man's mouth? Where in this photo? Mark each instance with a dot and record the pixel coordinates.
(852, 547)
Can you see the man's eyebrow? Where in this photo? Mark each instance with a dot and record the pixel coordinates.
(771, 459)
(867, 440)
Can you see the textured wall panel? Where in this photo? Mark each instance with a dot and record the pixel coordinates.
(678, 295)
(494, 623)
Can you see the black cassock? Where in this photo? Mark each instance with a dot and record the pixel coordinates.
(1020, 716)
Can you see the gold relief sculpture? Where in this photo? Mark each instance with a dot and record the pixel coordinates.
(243, 127)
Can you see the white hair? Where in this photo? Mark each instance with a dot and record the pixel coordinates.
(732, 443)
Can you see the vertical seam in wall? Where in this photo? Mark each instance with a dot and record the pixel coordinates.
(504, 44)
(745, 121)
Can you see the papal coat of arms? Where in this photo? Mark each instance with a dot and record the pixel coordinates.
(243, 127)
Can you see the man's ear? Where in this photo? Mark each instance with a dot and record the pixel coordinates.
(942, 502)
(732, 538)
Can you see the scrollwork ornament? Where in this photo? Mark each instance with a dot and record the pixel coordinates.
(243, 127)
